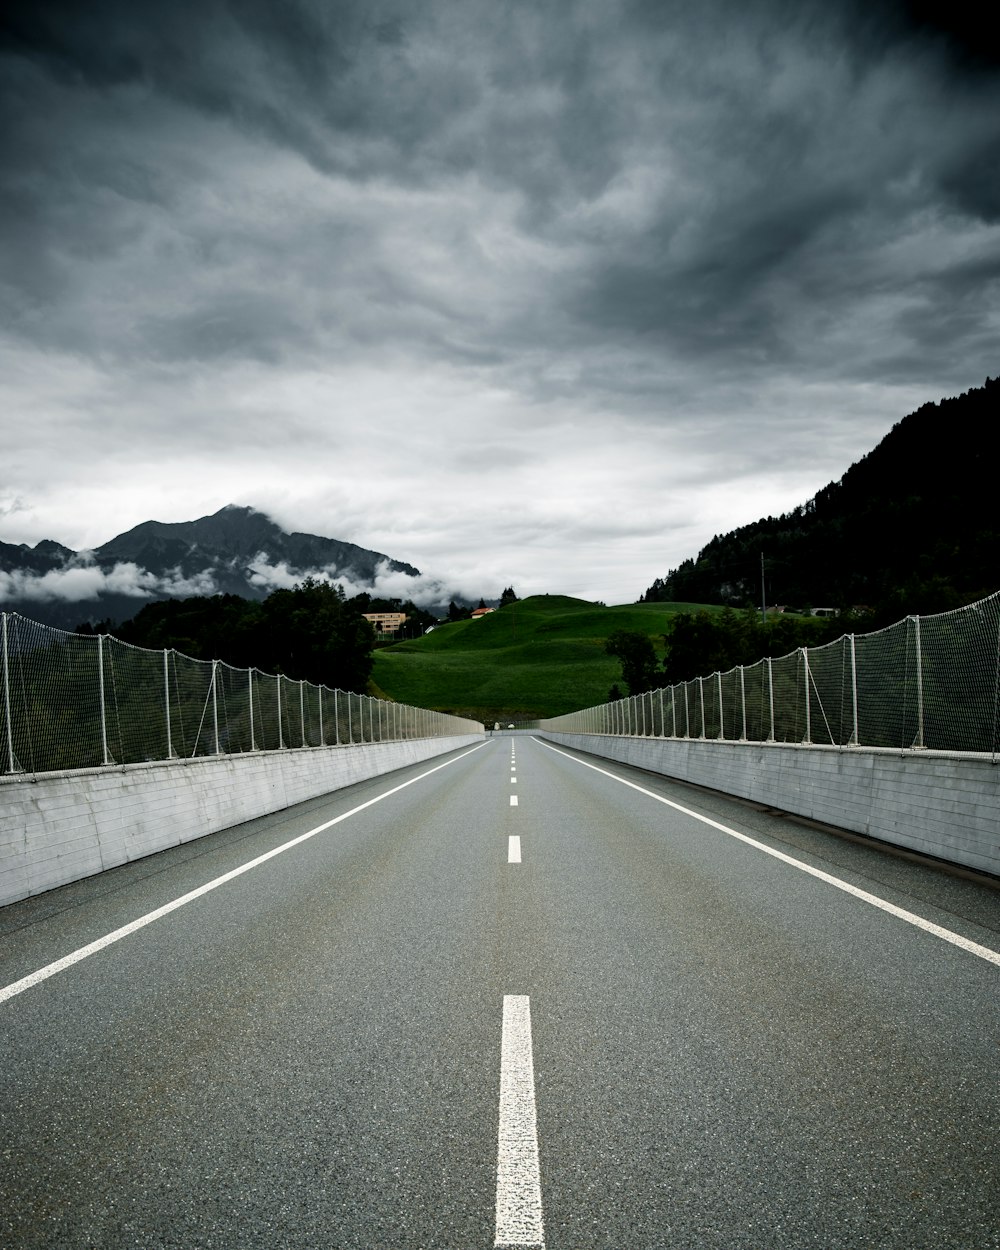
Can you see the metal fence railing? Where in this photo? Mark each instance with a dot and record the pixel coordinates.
(927, 682)
(82, 701)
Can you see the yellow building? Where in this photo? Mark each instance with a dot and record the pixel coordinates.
(385, 622)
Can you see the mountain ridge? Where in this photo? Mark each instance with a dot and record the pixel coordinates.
(910, 527)
(237, 550)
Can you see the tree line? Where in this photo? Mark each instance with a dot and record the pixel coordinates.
(910, 528)
(700, 643)
(308, 633)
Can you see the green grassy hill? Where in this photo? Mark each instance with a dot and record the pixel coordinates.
(539, 657)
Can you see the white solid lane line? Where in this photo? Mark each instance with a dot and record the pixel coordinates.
(928, 926)
(519, 1185)
(514, 849)
(25, 983)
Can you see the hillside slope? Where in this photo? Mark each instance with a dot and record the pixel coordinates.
(912, 527)
(541, 656)
(236, 551)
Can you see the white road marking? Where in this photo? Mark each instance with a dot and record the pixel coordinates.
(928, 926)
(519, 1186)
(513, 800)
(513, 780)
(514, 849)
(33, 978)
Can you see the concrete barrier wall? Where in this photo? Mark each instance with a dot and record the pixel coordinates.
(940, 803)
(59, 827)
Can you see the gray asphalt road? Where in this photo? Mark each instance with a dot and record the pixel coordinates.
(727, 1051)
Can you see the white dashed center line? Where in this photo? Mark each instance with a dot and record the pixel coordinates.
(513, 849)
(519, 1186)
(513, 800)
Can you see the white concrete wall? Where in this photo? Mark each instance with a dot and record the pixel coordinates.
(945, 804)
(59, 827)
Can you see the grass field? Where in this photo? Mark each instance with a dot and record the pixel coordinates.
(539, 657)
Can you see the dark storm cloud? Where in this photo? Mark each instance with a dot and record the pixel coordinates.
(781, 133)
(486, 234)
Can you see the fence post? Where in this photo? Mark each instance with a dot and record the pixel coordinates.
(805, 664)
(996, 698)
(253, 740)
(166, 701)
(687, 713)
(104, 721)
(281, 737)
(743, 702)
(302, 708)
(322, 735)
(6, 700)
(770, 696)
(855, 739)
(701, 697)
(722, 732)
(215, 705)
(920, 682)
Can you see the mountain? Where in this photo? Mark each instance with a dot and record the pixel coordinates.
(912, 527)
(235, 551)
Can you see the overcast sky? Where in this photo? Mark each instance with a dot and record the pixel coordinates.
(537, 293)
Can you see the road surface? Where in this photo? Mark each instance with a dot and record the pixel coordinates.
(514, 994)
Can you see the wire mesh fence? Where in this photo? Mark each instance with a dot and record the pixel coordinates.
(83, 701)
(927, 682)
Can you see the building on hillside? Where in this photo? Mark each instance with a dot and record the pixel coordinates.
(385, 622)
(478, 612)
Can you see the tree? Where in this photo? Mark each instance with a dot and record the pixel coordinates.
(312, 635)
(306, 633)
(638, 659)
(508, 596)
(702, 643)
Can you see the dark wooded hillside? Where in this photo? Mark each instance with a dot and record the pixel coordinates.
(912, 527)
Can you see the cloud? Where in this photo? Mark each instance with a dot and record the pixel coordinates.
(76, 583)
(425, 590)
(460, 280)
(79, 581)
(12, 505)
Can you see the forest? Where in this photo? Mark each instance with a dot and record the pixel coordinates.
(910, 528)
(308, 633)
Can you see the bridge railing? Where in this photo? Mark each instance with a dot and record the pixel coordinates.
(927, 682)
(80, 701)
